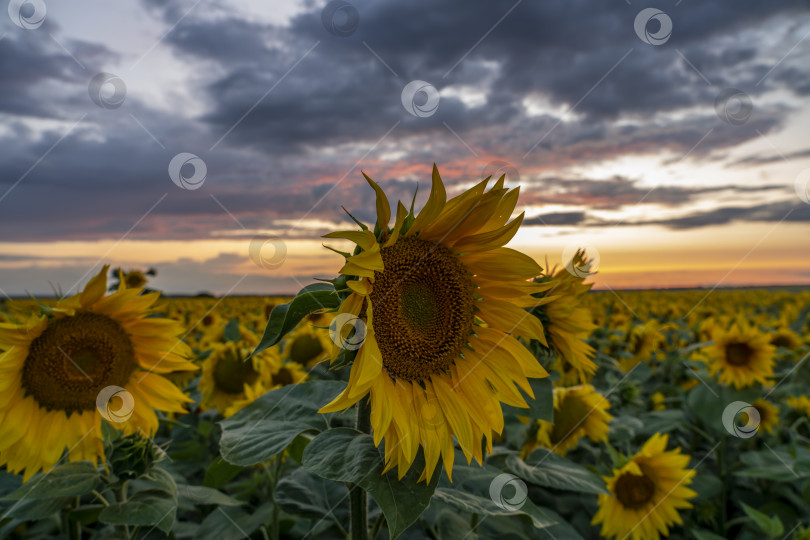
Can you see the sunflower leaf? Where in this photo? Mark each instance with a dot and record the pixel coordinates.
(268, 425)
(347, 455)
(305, 494)
(487, 490)
(68, 480)
(149, 507)
(285, 317)
(545, 468)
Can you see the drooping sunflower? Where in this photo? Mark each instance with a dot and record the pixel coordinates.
(646, 493)
(230, 374)
(443, 303)
(568, 323)
(93, 351)
(740, 356)
(280, 375)
(579, 411)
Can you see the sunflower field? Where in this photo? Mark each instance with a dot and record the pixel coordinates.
(441, 386)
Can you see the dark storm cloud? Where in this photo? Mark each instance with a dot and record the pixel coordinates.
(557, 218)
(278, 128)
(785, 211)
(763, 160)
(616, 192)
(773, 212)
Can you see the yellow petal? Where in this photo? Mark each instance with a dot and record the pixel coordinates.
(364, 239)
(488, 240)
(434, 206)
(95, 288)
(362, 287)
(383, 208)
(402, 213)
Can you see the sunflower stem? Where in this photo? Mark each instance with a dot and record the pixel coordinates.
(357, 496)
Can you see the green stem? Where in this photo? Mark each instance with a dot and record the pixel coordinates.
(275, 531)
(375, 530)
(721, 469)
(122, 498)
(474, 523)
(358, 499)
(100, 497)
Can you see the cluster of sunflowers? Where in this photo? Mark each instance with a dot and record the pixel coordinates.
(607, 411)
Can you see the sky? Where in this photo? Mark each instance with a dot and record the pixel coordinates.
(218, 141)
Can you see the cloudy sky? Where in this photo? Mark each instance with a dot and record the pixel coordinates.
(672, 139)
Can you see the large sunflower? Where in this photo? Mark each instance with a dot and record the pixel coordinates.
(579, 411)
(646, 493)
(443, 303)
(56, 370)
(741, 356)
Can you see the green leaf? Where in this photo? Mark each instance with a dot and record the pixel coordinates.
(233, 523)
(231, 332)
(540, 408)
(346, 455)
(662, 421)
(87, 514)
(706, 535)
(472, 487)
(774, 464)
(220, 472)
(772, 526)
(265, 427)
(158, 479)
(68, 480)
(145, 508)
(305, 494)
(36, 509)
(545, 468)
(285, 317)
(205, 495)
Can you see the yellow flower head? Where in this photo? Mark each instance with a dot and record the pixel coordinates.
(443, 303)
(579, 411)
(96, 356)
(646, 493)
(740, 356)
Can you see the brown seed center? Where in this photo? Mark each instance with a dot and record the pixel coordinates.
(634, 491)
(739, 354)
(423, 308)
(74, 359)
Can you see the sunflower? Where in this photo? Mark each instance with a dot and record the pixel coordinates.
(644, 340)
(135, 279)
(443, 304)
(741, 356)
(307, 344)
(646, 493)
(799, 403)
(579, 411)
(230, 374)
(568, 323)
(786, 338)
(92, 352)
(768, 414)
(280, 375)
